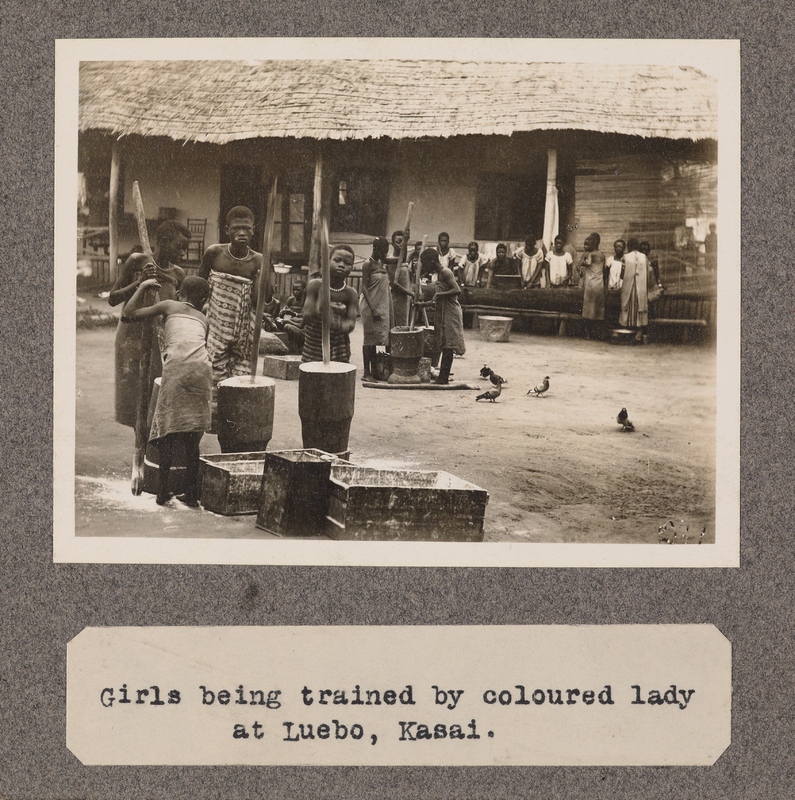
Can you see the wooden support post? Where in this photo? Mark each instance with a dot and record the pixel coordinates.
(551, 213)
(317, 207)
(113, 216)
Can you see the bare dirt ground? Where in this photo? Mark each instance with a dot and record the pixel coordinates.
(557, 468)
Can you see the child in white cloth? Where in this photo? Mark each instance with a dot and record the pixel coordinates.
(183, 411)
(560, 264)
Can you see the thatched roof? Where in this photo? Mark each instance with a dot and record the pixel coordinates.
(224, 101)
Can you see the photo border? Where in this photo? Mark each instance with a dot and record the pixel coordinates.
(718, 58)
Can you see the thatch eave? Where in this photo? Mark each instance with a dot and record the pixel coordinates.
(342, 136)
(221, 102)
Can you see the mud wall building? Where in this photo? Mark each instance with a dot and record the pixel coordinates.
(486, 151)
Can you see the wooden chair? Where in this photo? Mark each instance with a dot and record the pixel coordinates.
(197, 228)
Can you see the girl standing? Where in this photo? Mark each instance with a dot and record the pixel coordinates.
(635, 291)
(591, 267)
(560, 264)
(448, 319)
(343, 310)
(183, 411)
(375, 305)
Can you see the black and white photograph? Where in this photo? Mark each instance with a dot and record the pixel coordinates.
(398, 302)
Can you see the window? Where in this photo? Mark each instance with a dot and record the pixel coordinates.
(360, 201)
(292, 222)
(241, 185)
(508, 207)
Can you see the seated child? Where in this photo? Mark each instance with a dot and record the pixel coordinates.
(294, 303)
(270, 311)
(289, 319)
(182, 414)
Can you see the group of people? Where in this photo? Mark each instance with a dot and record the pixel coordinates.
(528, 266)
(389, 293)
(206, 322)
(632, 271)
(205, 326)
(205, 332)
(183, 411)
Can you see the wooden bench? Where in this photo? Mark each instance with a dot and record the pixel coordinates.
(685, 312)
(562, 319)
(685, 325)
(559, 318)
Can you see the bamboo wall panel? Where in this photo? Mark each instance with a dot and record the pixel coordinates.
(650, 198)
(642, 196)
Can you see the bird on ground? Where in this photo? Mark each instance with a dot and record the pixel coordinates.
(538, 391)
(487, 372)
(623, 420)
(491, 394)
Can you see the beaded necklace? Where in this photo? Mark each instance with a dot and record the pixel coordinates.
(229, 250)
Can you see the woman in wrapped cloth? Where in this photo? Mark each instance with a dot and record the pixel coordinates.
(448, 319)
(171, 239)
(232, 270)
(182, 413)
(375, 305)
(635, 291)
(592, 268)
(343, 310)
